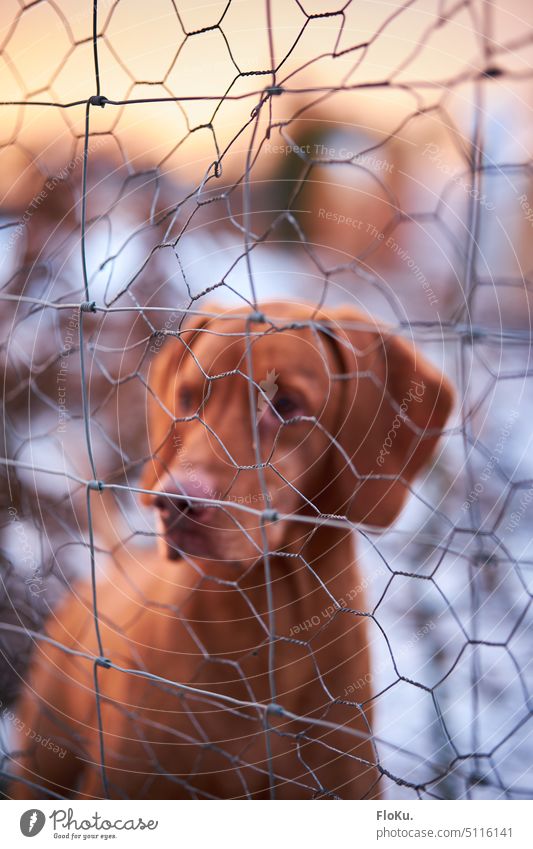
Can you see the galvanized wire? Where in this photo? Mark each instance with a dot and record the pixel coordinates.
(476, 771)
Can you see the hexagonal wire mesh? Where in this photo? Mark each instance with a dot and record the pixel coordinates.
(353, 154)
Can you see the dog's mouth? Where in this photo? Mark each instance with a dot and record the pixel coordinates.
(189, 526)
(187, 542)
(185, 532)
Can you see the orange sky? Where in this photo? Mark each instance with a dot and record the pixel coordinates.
(47, 54)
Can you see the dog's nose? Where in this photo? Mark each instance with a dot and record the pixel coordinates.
(171, 508)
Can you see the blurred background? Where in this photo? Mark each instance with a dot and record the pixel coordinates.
(375, 153)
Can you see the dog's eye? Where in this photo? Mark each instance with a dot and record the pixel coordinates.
(287, 406)
(185, 400)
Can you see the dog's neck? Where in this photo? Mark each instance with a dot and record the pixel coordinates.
(327, 562)
(305, 584)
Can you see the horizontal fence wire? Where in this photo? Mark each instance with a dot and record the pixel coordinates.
(452, 745)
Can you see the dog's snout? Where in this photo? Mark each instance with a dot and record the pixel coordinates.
(184, 498)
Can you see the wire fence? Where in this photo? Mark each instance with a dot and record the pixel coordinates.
(328, 173)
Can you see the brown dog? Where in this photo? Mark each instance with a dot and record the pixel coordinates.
(346, 415)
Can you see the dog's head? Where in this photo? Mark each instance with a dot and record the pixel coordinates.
(302, 413)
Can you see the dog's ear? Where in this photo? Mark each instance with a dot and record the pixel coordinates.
(393, 406)
(163, 376)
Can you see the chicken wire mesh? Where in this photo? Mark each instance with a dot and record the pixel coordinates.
(243, 152)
